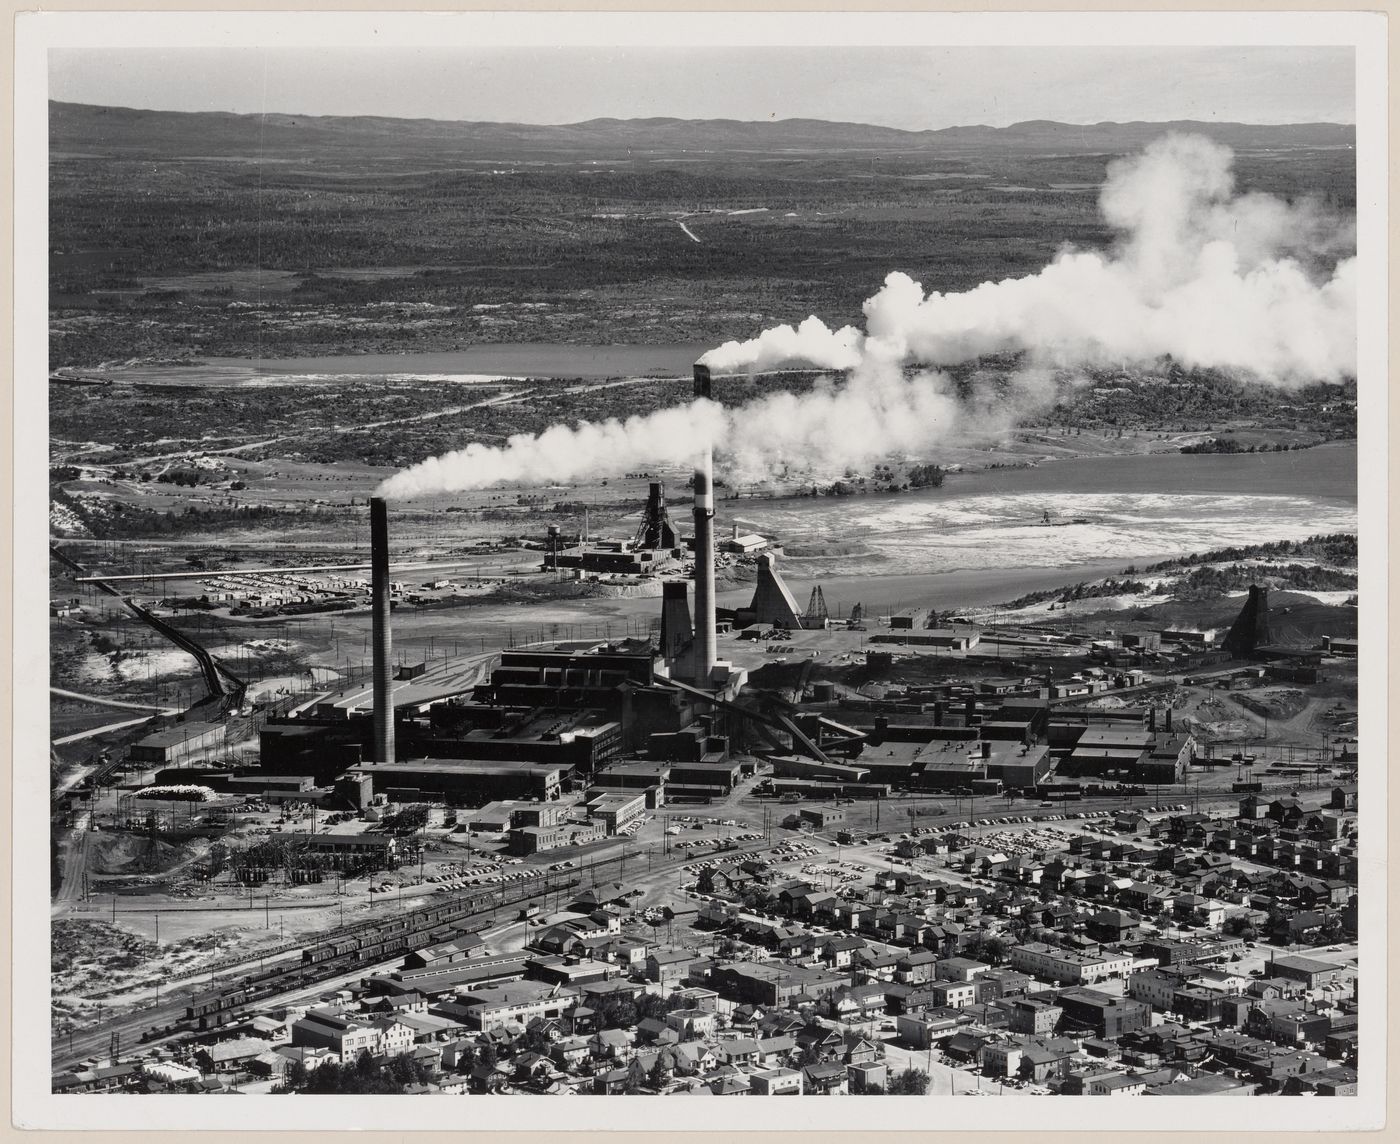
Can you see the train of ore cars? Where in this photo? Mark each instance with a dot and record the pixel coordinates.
(363, 943)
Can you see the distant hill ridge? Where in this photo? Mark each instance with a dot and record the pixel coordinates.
(90, 129)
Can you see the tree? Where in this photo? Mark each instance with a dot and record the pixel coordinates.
(911, 1082)
(651, 1005)
(615, 1012)
(991, 948)
(533, 1040)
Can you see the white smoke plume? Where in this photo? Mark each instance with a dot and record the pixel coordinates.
(1213, 279)
(876, 411)
(811, 343)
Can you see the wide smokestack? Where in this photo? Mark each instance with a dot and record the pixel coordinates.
(705, 650)
(383, 641)
(676, 631)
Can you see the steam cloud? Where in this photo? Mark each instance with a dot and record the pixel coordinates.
(1213, 279)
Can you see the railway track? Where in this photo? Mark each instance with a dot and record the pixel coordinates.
(221, 683)
(171, 1017)
(361, 945)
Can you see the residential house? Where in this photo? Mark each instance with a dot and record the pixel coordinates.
(825, 1078)
(232, 1055)
(669, 966)
(775, 1082)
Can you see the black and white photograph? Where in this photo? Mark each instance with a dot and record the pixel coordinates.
(639, 555)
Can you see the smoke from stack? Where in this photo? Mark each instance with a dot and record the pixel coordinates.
(381, 635)
(1211, 278)
(1248, 284)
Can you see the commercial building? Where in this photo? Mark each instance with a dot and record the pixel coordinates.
(1107, 1016)
(495, 1006)
(1064, 966)
(1210, 947)
(1033, 1015)
(953, 994)
(762, 984)
(617, 810)
(350, 1035)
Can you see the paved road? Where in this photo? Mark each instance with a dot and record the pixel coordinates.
(93, 732)
(944, 1080)
(103, 701)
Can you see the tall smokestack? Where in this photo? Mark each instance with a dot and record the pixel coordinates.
(383, 641)
(705, 650)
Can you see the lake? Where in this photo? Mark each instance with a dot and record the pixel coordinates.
(509, 360)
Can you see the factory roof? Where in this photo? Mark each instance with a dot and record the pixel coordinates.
(456, 766)
(179, 733)
(513, 993)
(1115, 737)
(1103, 753)
(540, 727)
(649, 769)
(442, 681)
(502, 808)
(610, 800)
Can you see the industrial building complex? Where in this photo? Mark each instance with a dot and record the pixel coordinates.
(1000, 874)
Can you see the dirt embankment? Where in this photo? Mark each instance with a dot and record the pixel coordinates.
(1283, 703)
(130, 853)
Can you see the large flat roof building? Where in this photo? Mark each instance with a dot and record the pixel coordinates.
(177, 742)
(465, 781)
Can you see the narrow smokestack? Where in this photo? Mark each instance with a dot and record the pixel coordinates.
(705, 650)
(383, 641)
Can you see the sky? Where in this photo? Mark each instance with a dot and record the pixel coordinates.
(913, 88)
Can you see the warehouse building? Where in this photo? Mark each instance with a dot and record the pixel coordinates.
(538, 839)
(617, 810)
(649, 778)
(177, 742)
(580, 739)
(347, 851)
(461, 782)
(943, 638)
